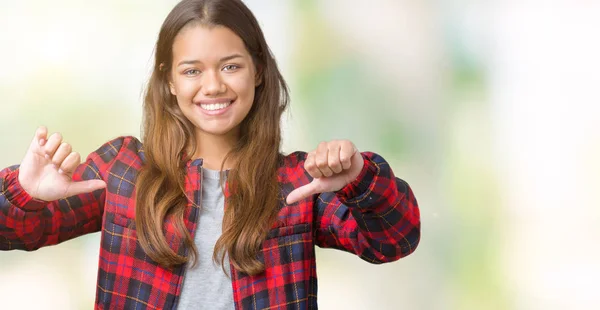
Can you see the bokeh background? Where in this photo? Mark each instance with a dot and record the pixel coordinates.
(489, 109)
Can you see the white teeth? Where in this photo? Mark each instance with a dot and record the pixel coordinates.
(215, 106)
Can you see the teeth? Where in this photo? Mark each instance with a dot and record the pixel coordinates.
(215, 106)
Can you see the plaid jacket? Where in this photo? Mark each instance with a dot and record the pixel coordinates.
(375, 217)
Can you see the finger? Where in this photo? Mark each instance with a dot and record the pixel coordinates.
(83, 187)
(333, 158)
(52, 144)
(347, 150)
(70, 163)
(311, 167)
(302, 192)
(63, 151)
(321, 159)
(40, 136)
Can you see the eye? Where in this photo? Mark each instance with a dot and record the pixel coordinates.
(191, 72)
(231, 67)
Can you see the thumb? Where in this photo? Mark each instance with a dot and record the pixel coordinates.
(84, 187)
(302, 192)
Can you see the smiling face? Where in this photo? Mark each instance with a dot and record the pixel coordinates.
(214, 79)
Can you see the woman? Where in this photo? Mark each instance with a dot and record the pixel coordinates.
(208, 214)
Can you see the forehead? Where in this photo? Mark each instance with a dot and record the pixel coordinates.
(199, 42)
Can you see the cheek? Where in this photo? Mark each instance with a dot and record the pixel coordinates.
(186, 89)
(243, 87)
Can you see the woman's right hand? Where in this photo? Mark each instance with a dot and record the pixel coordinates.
(46, 172)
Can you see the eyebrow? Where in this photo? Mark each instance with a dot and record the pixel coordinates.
(193, 62)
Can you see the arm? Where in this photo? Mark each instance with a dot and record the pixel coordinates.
(376, 216)
(27, 223)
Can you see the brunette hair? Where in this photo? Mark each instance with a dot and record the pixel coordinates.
(168, 137)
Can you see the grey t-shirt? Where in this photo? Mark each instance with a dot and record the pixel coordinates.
(205, 286)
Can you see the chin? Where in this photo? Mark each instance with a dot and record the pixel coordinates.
(215, 131)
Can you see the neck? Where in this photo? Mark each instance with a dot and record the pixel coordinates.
(213, 149)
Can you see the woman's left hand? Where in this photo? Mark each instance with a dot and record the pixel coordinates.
(333, 165)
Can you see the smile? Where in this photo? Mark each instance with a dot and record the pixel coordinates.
(215, 106)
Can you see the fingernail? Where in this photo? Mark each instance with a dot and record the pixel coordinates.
(41, 141)
(60, 171)
(47, 156)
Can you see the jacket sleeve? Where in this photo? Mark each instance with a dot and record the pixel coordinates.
(28, 224)
(375, 217)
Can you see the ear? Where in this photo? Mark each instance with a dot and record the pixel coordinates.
(172, 89)
(161, 67)
(258, 76)
(258, 79)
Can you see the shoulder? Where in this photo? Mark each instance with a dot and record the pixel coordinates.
(123, 147)
(292, 160)
(291, 168)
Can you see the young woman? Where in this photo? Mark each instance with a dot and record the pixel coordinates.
(208, 214)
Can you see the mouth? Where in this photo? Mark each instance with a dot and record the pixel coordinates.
(215, 105)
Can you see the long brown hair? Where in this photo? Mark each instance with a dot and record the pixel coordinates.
(168, 136)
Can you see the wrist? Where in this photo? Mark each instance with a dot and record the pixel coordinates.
(23, 183)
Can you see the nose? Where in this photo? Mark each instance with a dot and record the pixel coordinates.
(212, 84)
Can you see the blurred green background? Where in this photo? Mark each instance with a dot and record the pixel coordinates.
(489, 109)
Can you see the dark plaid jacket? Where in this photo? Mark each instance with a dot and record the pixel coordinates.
(376, 217)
